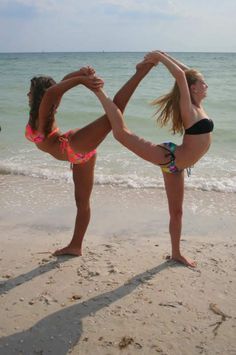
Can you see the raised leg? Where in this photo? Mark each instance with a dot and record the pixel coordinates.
(174, 184)
(83, 176)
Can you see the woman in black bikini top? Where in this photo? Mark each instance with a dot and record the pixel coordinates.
(183, 109)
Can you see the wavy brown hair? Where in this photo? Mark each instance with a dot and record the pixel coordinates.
(169, 105)
(38, 87)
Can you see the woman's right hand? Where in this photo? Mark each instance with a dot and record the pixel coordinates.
(153, 57)
(86, 71)
(92, 82)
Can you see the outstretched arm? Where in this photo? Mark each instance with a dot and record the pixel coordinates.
(84, 71)
(56, 91)
(177, 62)
(53, 95)
(157, 56)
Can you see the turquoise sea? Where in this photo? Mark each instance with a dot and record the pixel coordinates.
(115, 165)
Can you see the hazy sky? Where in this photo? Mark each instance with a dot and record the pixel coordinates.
(117, 25)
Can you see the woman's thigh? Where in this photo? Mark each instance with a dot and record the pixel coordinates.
(83, 177)
(88, 138)
(174, 185)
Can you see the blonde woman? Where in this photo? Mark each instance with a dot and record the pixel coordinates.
(183, 109)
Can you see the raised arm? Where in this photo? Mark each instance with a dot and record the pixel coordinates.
(174, 60)
(179, 74)
(84, 71)
(55, 92)
(53, 95)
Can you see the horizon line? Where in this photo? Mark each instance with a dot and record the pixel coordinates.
(104, 51)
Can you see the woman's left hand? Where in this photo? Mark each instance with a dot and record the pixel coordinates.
(92, 82)
(86, 71)
(153, 57)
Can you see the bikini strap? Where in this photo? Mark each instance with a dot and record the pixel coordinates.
(170, 154)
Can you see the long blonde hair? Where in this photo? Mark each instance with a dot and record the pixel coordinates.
(169, 104)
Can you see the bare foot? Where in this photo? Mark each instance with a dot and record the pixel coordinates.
(186, 261)
(68, 251)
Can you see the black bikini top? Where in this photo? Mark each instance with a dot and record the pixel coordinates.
(205, 125)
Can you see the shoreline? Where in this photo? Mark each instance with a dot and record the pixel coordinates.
(122, 295)
(32, 201)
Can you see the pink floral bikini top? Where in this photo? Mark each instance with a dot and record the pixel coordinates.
(73, 157)
(35, 136)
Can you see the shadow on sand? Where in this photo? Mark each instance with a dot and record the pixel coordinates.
(61, 331)
(8, 285)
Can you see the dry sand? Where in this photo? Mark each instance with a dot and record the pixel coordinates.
(122, 296)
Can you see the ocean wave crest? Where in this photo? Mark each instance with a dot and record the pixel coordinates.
(220, 184)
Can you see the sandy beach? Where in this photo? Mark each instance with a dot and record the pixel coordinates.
(123, 296)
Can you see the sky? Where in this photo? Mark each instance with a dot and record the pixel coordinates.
(117, 25)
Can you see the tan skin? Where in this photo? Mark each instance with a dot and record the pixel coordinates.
(188, 153)
(83, 140)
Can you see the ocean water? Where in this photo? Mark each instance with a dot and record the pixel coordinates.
(116, 165)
